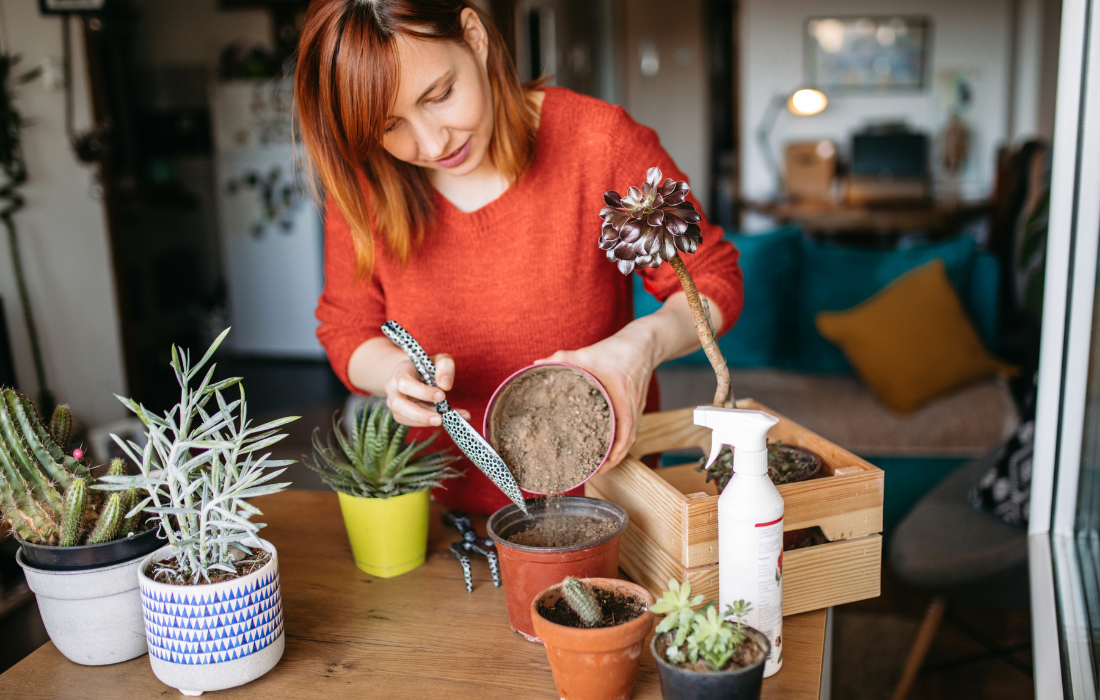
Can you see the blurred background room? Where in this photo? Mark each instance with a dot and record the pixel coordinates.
(859, 153)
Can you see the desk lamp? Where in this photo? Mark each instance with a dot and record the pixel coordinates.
(804, 103)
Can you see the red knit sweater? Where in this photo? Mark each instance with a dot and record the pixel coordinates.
(521, 277)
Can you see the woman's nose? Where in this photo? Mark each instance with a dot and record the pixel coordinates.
(433, 141)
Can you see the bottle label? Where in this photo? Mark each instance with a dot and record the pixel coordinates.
(751, 568)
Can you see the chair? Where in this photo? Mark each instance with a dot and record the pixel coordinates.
(959, 554)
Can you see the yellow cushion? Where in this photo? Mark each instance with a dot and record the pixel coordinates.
(913, 340)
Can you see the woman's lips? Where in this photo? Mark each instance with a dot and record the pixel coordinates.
(456, 158)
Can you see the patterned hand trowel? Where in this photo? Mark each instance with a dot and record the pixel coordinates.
(467, 439)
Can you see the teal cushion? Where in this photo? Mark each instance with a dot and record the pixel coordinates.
(770, 264)
(836, 278)
(982, 300)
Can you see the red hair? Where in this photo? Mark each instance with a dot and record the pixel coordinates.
(346, 81)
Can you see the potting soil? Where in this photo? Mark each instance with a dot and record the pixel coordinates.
(552, 427)
(563, 530)
(250, 563)
(616, 608)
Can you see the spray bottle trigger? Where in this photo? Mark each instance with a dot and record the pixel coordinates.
(715, 449)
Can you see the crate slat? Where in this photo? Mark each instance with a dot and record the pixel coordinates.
(815, 577)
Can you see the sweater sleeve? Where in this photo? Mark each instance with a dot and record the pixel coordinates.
(634, 150)
(351, 311)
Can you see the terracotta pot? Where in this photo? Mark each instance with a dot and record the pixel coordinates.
(736, 684)
(527, 571)
(487, 426)
(594, 664)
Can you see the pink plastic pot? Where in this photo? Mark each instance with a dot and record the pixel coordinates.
(487, 426)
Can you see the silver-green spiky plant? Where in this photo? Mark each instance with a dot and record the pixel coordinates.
(199, 465)
(374, 461)
(583, 601)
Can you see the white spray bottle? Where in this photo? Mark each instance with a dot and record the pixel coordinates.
(750, 523)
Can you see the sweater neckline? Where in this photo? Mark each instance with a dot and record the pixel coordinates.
(491, 210)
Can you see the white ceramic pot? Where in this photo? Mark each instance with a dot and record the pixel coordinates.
(217, 635)
(93, 616)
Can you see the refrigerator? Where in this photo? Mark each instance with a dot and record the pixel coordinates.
(270, 227)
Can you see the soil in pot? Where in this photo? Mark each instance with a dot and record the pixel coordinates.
(617, 609)
(552, 426)
(563, 530)
(254, 561)
(787, 464)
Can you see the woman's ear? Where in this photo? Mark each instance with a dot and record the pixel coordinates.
(473, 32)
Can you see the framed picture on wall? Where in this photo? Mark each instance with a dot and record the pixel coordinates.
(867, 53)
(66, 7)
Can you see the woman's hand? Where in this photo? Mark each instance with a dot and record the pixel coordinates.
(623, 364)
(411, 399)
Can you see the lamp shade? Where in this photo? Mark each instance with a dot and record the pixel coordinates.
(806, 102)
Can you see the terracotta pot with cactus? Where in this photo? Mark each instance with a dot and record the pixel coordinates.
(594, 630)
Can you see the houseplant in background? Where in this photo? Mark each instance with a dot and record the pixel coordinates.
(79, 547)
(593, 630)
(213, 608)
(702, 653)
(383, 484)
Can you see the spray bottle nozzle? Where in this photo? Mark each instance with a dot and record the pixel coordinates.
(744, 430)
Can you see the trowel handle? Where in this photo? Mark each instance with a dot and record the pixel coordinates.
(420, 359)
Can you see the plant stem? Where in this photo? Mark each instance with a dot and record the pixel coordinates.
(706, 333)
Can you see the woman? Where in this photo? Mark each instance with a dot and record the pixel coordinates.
(465, 206)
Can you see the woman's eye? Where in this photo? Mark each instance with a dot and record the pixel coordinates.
(446, 94)
(390, 128)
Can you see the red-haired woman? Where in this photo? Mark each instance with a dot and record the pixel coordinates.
(464, 206)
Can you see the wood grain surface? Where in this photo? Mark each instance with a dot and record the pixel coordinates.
(350, 635)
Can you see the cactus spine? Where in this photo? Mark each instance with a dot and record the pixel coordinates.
(61, 427)
(72, 518)
(583, 601)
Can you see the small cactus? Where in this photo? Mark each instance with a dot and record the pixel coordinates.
(61, 427)
(583, 601)
(110, 520)
(72, 517)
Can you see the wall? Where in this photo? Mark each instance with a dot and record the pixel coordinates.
(674, 101)
(971, 36)
(63, 236)
(193, 32)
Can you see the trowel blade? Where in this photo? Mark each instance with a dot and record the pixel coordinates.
(482, 454)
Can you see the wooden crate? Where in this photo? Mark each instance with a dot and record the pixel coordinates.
(673, 529)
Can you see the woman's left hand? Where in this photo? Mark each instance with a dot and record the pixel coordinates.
(622, 364)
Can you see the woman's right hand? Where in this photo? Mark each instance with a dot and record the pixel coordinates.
(411, 400)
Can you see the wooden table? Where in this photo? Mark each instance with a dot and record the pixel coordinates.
(350, 635)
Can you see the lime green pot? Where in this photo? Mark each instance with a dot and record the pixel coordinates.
(389, 536)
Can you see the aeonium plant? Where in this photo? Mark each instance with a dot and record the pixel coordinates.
(201, 461)
(653, 224)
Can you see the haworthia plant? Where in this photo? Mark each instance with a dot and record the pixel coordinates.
(583, 601)
(372, 460)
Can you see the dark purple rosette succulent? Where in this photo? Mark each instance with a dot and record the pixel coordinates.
(650, 224)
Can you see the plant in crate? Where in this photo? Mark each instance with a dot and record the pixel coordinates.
(593, 630)
(787, 464)
(383, 483)
(76, 543)
(703, 653)
(201, 462)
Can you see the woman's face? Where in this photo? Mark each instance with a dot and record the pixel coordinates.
(442, 117)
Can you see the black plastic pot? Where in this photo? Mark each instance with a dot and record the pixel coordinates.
(737, 684)
(92, 556)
